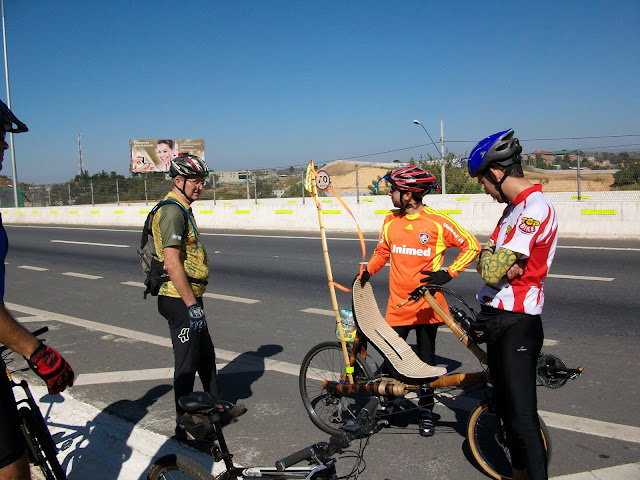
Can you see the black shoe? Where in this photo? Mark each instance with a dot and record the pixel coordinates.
(426, 427)
(180, 433)
(234, 411)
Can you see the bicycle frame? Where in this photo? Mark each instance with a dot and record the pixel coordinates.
(391, 386)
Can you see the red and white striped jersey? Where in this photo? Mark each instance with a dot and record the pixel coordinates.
(529, 226)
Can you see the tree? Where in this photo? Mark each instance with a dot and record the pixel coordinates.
(628, 178)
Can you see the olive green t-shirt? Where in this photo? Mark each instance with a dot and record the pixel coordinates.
(168, 229)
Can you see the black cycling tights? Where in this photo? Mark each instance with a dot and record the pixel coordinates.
(512, 361)
(193, 351)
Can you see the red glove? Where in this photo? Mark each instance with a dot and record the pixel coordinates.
(52, 368)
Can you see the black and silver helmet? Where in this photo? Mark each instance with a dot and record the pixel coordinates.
(187, 165)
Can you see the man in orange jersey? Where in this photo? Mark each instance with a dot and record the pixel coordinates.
(415, 237)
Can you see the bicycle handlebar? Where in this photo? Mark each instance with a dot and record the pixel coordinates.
(362, 425)
(35, 333)
(305, 454)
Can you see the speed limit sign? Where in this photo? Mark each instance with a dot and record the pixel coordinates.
(322, 180)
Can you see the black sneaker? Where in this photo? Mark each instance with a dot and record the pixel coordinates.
(180, 434)
(426, 427)
(384, 415)
(229, 413)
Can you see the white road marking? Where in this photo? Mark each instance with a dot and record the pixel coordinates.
(217, 296)
(92, 244)
(81, 275)
(229, 298)
(36, 269)
(576, 424)
(582, 277)
(551, 275)
(444, 328)
(628, 471)
(319, 311)
(567, 277)
(616, 431)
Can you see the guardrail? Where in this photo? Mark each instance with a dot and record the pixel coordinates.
(590, 217)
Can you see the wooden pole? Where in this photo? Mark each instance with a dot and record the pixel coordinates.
(313, 190)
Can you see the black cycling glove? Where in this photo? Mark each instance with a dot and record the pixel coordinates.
(364, 278)
(436, 278)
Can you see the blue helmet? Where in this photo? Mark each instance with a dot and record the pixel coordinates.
(501, 148)
(9, 122)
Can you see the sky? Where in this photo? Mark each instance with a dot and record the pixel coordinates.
(276, 83)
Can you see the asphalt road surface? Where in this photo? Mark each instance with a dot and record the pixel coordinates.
(268, 306)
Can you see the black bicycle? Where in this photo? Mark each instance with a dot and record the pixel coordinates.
(205, 426)
(41, 447)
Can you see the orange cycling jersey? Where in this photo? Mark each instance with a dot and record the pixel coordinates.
(415, 243)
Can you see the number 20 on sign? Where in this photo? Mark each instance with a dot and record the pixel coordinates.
(323, 181)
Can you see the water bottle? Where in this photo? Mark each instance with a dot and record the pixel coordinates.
(348, 325)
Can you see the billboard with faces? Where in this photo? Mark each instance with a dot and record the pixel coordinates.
(156, 155)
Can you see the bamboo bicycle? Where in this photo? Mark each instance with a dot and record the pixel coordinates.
(331, 399)
(205, 426)
(41, 448)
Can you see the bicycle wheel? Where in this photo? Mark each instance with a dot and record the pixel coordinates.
(177, 467)
(42, 450)
(326, 410)
(487, 442)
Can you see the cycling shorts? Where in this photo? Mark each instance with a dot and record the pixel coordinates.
(12, 443)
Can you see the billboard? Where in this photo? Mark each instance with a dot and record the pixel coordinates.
(156, 155)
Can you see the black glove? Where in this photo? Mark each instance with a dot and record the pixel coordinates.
(436, 278)
(198, 320)
(364, 278)
(52, 368)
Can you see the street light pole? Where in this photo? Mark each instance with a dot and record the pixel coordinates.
(6, 74)
(441, 151)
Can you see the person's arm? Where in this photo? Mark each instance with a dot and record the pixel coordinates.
(494, 265)
(175, 269)
(15, 336)
(467, 244)
(46, 362)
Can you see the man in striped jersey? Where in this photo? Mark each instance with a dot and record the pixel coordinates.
(414, 237)
(514, 265)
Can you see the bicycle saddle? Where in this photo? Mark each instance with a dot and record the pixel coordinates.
(385, 339)
(200, 401)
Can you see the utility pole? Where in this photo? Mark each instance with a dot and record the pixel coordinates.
(6, 74)
(80, 164)
(444, 188)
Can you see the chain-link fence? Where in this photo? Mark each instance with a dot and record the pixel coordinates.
(347, 179)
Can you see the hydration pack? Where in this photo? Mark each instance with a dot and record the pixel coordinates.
(152, 267)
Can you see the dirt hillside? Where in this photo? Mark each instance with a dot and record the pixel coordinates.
(343, 178)
(343, 175)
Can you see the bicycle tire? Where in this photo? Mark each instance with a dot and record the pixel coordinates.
(487, 443)
(173, 466)
(327, 411)
(42, 450)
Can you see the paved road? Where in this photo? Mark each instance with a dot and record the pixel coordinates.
(84, 284)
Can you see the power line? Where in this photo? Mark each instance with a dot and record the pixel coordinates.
(475, 141)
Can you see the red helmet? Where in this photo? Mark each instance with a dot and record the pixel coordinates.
(411, 179)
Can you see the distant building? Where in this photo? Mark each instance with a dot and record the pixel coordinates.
(237, 177)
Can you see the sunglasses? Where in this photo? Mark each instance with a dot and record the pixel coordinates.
(197, 183)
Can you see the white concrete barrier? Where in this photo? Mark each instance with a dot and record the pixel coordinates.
(598, 216)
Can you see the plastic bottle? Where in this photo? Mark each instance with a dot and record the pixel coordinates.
(348, 324)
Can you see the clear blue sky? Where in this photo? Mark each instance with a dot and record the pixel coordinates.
(277, 83)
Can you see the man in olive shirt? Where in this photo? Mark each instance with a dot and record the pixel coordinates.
(185, 260)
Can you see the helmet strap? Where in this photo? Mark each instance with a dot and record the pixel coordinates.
(498, 184)
(181, 190)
